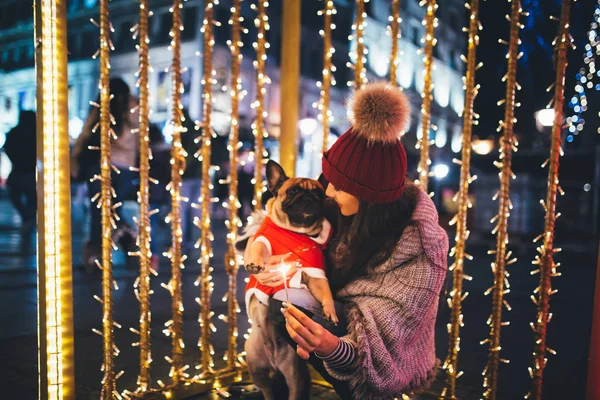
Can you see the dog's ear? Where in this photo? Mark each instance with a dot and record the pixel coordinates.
(275, 177)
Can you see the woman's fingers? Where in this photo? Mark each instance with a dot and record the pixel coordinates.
(269, 278)
(301, 351)
(313, 327)
(307, 337)
(298, 338)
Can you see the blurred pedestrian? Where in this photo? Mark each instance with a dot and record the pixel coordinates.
(20, 149)
(85, 163)
(192, 182)
(160, 198)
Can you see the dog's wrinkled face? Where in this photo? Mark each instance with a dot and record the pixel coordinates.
(302, 201)
(297, 202)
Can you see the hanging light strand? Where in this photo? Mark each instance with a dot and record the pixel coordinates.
(106, 206)
(175, 326)
(423, 144)
(258, 128)
(547, 268)
(508, 144)
(142, 286)
(206, 237)
(234, 222)
(328, 68)
(360, 73)
(587, 78)
(394, 30)
(460, 219)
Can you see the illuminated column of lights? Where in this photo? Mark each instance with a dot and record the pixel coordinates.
(508, 144)
(55, 298)
(328, 68)
(460, 219)
(395, 34)
(142, 284)
(430, 41)
(258, 128)
(174, 327)
(234, 222)
(108, 219)
(360, 73)
(545, 260)
(206, 237)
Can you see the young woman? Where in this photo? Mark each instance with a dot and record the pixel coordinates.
(85, 164)
(387, 263)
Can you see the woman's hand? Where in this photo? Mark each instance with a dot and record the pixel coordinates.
(272, 276)
(309, 335)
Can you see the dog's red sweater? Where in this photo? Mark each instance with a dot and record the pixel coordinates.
(306, 251)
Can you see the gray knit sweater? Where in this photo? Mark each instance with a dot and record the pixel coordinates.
(391, 313)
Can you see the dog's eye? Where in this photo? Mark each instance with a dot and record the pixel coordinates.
(293, 191)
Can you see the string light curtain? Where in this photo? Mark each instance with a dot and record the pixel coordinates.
(258, 127)
(460, 219)
(587, 78)
(142, 284)
(174, 327)
(234, 222)
(107, 208)
(206, 237)
(547, 268)
(325, 115)
(360, 73)
(394, 30)
(430, 22)
(508, 144)
(55, 299)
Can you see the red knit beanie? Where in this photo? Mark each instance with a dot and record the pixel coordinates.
(368, 161)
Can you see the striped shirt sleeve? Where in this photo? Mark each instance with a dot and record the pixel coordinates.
(342, 357)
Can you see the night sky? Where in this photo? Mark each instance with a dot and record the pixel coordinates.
(535, 70)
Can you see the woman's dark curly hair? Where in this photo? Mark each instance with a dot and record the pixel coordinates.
(367, 239)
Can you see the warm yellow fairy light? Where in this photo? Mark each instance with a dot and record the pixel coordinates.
(206, 237)
(395, 33)
(143, 289)
(258, 128)
(106, 194)
(234, 222)
(503, 258)
(456, 295)
(430, 23)
(55, 299)
(328, 68)
(175, 329)
(546, 266)
(360, 73)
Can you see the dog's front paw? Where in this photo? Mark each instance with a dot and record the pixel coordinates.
(254, 268)
(329, 312)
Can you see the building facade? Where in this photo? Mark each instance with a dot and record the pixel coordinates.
(17, 75)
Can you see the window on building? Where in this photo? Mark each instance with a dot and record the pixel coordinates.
(454, 22)
(369, 9)
(416, 36)
(436, 52)
(189, 23)
(454, 57)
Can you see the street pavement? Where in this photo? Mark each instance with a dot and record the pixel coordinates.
(568, 333)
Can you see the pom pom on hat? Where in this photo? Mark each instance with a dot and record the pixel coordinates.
(380, 112)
